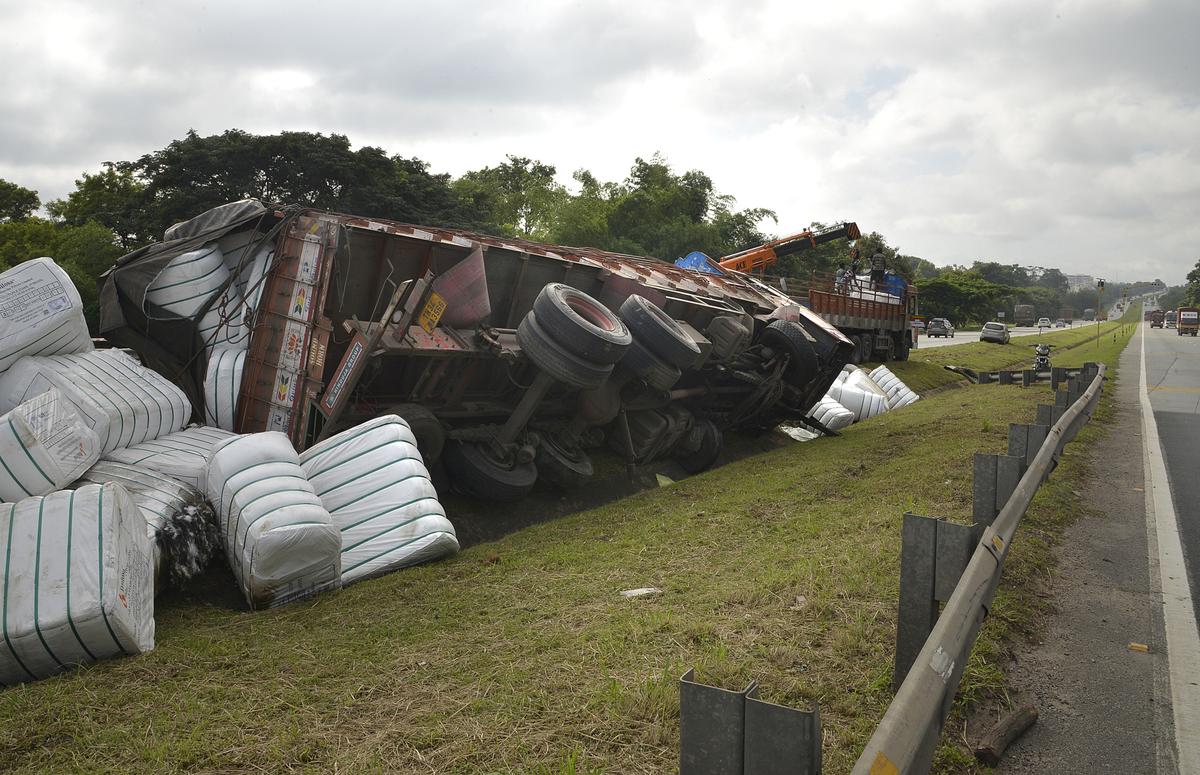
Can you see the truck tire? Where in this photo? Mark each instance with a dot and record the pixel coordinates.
(789, 337)
(656, 372)
(476, 472)
(703, 458)
(659, 333)
(565, 466)
(856, 353)
(581, 324)
(430, 434)
(554, 359)
(902, 348)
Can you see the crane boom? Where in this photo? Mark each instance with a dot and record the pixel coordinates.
(765, 255)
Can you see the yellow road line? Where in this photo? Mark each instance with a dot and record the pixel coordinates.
(1172, 389)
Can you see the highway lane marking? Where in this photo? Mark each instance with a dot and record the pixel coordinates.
(1170, 389)
(1179, 620)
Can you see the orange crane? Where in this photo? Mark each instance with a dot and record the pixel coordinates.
(757, 259)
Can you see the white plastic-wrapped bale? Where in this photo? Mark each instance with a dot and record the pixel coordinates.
(831, 414)
(40, 313)
(44, 446)
(222, 381)
(859, 394)
(121, 400)
(278, 537)
(78, 581)
(179, 520)
(898, 394)
(188, 284)
(182, 455)
(377, 490)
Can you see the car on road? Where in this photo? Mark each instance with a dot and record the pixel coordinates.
(995, 332)
(1060, 323)
(1043, 323)
(940, 327)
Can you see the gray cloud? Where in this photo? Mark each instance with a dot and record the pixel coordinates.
(1057, 133)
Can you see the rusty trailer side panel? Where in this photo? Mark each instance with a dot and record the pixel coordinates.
(283, 374)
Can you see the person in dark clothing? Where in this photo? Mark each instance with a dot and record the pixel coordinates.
(878, 270)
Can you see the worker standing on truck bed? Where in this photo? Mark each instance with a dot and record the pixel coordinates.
(841, 279)
(878, 270)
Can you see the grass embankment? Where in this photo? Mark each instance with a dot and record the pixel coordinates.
(520, 655)
(924, 369)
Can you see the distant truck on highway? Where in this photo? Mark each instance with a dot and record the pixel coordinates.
(1023, 315)
(1067, 314)
(1188, 321)
(1089, 314)
(1156, 318)
(1170, 318)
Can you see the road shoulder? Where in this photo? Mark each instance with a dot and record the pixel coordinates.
(1094, 690)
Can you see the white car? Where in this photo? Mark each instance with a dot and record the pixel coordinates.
(1043, 322)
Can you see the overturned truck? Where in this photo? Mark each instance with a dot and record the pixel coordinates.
(509, 359)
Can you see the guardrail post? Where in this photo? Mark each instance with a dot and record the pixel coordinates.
(933, 555)
(1048, 414)
(985, 377)
(1006, 377)
(995, 477)
(724, 732)
(1027, 377)
(1024, 441)
(1057, 375)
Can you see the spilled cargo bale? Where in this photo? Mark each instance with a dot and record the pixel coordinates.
(373, 482)
(40, 313)
(78, 581)
(44, 446)
(182, 455)
(279, 539)
(179, 520)
(121, 400)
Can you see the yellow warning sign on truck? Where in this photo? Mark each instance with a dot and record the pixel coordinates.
(432, 312)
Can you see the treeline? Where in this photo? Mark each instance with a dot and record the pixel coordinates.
(655, 211)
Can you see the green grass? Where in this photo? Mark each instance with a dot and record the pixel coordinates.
(924, 369)
(521, 656)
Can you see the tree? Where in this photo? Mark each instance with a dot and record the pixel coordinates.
(17, 202)
(1192, 293)
(519, 198)
(196, 173)
(962, 296)
(113, 198)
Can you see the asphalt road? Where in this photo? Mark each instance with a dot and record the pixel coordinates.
(965, 337)
(1173, 381)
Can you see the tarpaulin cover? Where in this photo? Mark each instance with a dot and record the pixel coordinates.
(40, 313)
(77, 579)
(377, 490)
(182, 455)
(278, 537)
(44, 446)
(121, 400)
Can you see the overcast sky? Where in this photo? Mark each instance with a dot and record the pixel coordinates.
(1024, 131)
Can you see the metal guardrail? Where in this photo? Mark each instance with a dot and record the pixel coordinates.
(905, 740)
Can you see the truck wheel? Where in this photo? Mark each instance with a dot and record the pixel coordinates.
(554, 359)
(430, 434)
(659, 332)
(476, 471)
(856, 350)
(656, 372)
(581, 324)
(566, 466)
(868, 347)
(703, 458)
(902, 347)
(789, 337)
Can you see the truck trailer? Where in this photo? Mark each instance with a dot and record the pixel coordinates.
(509, 359)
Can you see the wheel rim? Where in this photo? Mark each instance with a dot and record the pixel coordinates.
(590, 312)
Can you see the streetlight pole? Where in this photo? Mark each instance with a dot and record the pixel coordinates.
(1099, 297)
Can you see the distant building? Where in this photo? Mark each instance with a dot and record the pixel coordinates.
(1076, 282)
